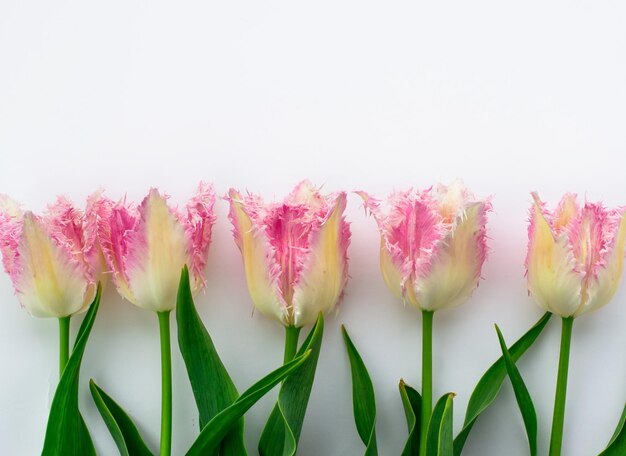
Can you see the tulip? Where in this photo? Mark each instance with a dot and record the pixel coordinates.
(52, 261)
(574, 265)
(146, 247)
(433, 246)
(294, 254)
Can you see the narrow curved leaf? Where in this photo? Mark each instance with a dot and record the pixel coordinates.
(213, 433)
(524, 401)
(412, 403)
(121, 427)
(617, 444)
(490, 383)
(212, 387)
(282, 430)
(67, 433)
(363, 398)
(439, 439)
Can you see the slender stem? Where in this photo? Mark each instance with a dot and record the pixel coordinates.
(64, 343)
(166, 384)
(427, 376)
(291, 342)
(561, 388)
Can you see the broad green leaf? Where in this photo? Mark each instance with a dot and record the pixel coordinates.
(363, 398)
(439, 439)
(212, 387)
(213, 433)
(524, 401)
(67, 433)
(617, 444)
(121, 427)
(282, 430)
(490, 383)
(412, 403)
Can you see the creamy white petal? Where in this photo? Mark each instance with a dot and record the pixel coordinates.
(455, 270)
(158, 254)
(321, 282)
(552, 280)
(49, 283)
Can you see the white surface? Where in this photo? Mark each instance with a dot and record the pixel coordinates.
(510, 96)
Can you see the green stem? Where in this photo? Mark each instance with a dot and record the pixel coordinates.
(291, 342)
(64, 343)
(427, 376)
(561, 388)
(166, 384)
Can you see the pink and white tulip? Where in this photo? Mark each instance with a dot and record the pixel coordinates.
(294, 252)
(575, 255)
(54, 260)
(433, 244)
(146, 246)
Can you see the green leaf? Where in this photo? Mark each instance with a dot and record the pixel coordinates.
(67, 433)
(121, 427)
(282, 430)
(412, 403)
(363, 398)
(524, 401)
(212, 387)
(490, 383)
(439, 439)
(617, 444)
(213, 433)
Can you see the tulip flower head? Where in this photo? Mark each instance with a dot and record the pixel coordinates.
(53, 260)
(294, 252)
(433, 244)
(575, 255)
(146, 246)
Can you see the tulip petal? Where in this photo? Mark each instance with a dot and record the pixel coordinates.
(325, 271)
(198, 226)
(457, 264)
(10, 232)
(392, 275)
(96, 214)
(157, 253)
(258, 260)
(550, 264)
(119, 221)
(566, 212)
(601, 289)
(49, 282)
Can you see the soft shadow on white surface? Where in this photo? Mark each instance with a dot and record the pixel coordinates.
(353, 95)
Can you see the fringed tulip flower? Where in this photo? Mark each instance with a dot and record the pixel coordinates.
(54, 260)
(146, 248)
(296, 265)
(575, 255)
(574, 265)
(433, 246)
(294, 252)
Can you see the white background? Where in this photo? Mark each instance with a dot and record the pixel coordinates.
(510, 96)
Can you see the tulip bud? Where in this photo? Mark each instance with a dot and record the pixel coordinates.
(51, 261)
(146, 246)
(433, 244)
(294, 253)
(575, 255)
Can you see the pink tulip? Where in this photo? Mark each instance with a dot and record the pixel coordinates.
(54, 260)
(575, 255)
(433, 244)
(294, 252)
(146, 246)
